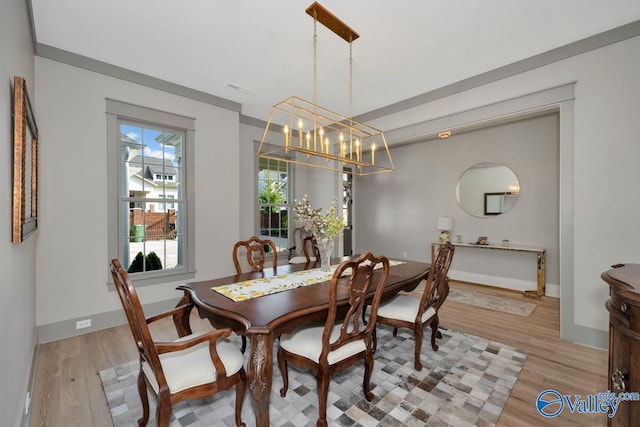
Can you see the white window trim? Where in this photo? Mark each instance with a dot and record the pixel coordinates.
(290, 205)
(116, 110)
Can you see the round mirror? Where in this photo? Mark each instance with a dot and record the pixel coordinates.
(487, 189)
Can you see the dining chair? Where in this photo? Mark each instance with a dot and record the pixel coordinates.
(255, 250)
(310, 251)
(405, 311)
(256, 256)
(342, 341)
(297, 236)
(296, 251)
(194, 366)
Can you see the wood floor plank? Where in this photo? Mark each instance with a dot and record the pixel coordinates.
(73, 384)
(46, 403)
(551, 364)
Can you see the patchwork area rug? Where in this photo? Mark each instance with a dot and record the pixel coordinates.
(465, 383)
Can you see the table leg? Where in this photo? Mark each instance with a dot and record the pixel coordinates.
(542, 273)
(260, 376)
(541, 277)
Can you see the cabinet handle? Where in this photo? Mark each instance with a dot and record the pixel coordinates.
(624, 307)
(617, 380)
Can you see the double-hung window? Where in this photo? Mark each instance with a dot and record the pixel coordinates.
(273, 201)
(150, 159)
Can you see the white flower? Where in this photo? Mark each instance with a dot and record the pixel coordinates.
(322, 225)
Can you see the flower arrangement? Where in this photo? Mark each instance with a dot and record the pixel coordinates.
(323, 225)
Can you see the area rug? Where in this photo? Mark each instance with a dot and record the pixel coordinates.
(490, 302)
(465, 383)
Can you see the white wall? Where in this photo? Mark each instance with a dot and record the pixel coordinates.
(605, 173)
(72, 247)
(18, 278)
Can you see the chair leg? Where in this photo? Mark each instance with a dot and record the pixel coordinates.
(323, 394)
(395, 332)
(244, 344)
(366, 382)
(434, 333)
(144, 399)
(374, 337)
(417, 335)
(241, 386)
(163, 411)
(282, 363)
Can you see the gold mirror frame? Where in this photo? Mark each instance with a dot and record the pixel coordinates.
(25, 164)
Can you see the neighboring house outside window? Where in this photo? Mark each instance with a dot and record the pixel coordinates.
(148, 162)
(273, 197)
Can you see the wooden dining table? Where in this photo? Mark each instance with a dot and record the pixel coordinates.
(264, 318)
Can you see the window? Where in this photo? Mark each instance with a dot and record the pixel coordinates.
(273, 196)
(151, 237)
(168, 205)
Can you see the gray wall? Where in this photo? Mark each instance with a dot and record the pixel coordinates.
(399, 211)
(71, 106)
(18, 278)
(599, 206)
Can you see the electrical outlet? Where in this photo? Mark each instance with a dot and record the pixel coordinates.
(81, 324)
(404, 255)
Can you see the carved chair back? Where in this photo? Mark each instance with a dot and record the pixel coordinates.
(437, 288)
(359, 275)
(310, 248)
(255, 251)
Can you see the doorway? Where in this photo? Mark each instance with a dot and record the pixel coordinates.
(347, 211)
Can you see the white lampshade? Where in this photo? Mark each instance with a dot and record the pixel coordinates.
(445, 223)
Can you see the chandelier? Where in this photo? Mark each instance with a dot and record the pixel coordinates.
(311, 135)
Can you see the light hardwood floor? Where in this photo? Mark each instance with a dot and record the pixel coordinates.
(69, 393)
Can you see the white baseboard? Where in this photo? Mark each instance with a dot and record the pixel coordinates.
(552, 290)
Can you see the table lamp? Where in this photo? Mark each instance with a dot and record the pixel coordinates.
(445, 225)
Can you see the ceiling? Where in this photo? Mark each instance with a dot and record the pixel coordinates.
(265, 48)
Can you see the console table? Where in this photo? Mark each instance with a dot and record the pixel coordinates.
(541, 258)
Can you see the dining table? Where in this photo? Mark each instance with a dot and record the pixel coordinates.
(264, 318)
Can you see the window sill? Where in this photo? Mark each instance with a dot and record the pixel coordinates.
(156, 278)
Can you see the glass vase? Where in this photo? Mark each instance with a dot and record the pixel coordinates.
(325, 245)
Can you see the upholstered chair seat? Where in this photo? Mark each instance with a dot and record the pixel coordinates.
(192, 366)
(405, 308)
(307, 343)
(301, 260)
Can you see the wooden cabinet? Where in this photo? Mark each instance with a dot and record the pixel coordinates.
(624, 338)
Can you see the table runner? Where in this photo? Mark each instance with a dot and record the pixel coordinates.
(254, 288)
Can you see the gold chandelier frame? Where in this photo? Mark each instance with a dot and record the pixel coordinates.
(311, 135)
